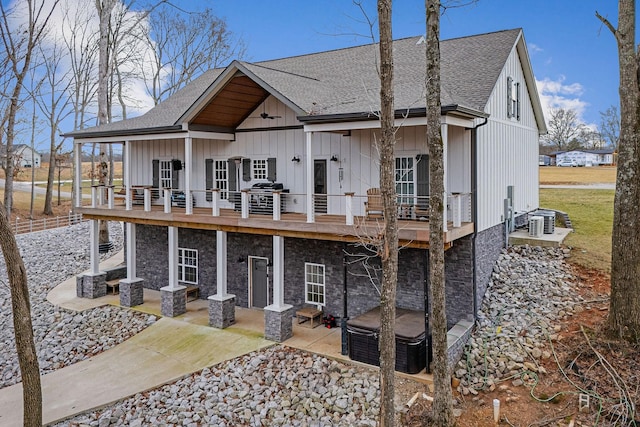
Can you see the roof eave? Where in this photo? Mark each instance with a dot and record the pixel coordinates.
(403, 113)
(123, 132)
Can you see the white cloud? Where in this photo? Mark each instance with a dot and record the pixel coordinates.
(558, 93)
(534, 48)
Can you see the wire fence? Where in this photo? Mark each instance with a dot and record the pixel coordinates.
(21, 226)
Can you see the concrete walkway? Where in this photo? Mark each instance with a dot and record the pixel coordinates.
(165, 351)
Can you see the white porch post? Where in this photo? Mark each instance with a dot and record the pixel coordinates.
(131, 251)
(244, 199)
(278, 273)
(94, 252)
(221, 305)
(445, 137)
(173, 258)
(188, 159)
(221, 263)
(167, 200)
(278, 325)
(147, 199)
(126, 161)
(309, 170)
(77, 184)
(276, 205)
(131, 288)
(215, 206)
(94, 196)
(173, 300)
(349, 208)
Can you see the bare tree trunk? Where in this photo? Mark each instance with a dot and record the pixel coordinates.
(442, 404)
(105, 8)
(53, 152)
(23, 329)
(624, 306)
(389, 247)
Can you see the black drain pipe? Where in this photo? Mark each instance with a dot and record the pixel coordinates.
(343, 321)
(474, 210)
(427, 326)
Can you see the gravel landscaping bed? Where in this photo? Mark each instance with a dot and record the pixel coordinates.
(531, 289)
(275, 386)
(62, 337)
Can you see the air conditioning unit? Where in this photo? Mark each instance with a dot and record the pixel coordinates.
(536, 226)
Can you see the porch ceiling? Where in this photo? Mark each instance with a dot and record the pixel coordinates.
(231, 105)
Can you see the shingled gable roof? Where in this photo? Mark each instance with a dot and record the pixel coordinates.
(345, 82)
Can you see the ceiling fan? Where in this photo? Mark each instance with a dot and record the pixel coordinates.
(266, 115)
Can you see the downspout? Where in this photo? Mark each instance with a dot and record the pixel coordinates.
(474, 210)
(345, 313)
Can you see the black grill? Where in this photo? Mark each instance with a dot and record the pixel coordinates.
(261, 201)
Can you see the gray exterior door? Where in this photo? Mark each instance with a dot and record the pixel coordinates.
(320, 186)
(259, 282)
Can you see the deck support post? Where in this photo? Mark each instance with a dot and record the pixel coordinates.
(173, 297)
(278, 317)
(92, 284)
(222, 306)
(131, 288)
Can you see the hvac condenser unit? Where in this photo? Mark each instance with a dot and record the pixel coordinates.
(536, 226)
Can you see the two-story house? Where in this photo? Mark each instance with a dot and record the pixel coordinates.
(257, 183)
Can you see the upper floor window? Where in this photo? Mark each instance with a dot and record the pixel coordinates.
(513, 99)
(166, 176)
(259, 168)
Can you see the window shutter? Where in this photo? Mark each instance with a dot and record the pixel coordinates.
(271, 169)
(246, 170)
(517, 101)
(509, 97)
(422, 175)
(155, 166)
(208, 178)
(174, 179)
(231, 175)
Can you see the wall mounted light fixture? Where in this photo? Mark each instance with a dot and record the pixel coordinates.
(334, 158)
(296, 158)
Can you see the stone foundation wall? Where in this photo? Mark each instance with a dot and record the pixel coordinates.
(489, 244)
(362, 294)
(153, 256)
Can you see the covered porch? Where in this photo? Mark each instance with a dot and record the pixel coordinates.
(248, 322)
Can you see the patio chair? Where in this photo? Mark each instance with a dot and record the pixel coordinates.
(373, 205)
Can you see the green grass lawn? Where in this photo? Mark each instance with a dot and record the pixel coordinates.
(591, 213)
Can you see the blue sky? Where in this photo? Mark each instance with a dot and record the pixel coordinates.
(574, 56)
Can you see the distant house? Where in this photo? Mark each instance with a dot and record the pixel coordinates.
(23, 156)
(255, 182)
(544, 160)
(600, 157)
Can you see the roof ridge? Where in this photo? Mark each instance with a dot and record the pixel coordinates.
(280, 71)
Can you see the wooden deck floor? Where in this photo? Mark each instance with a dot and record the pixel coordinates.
(412, 233)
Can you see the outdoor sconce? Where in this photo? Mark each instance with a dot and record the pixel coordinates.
(296, 159)
(334, 158)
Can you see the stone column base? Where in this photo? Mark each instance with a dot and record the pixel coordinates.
(278, 322)
(222, 311)
(91, 285)
(173, 301)
(131, 292)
